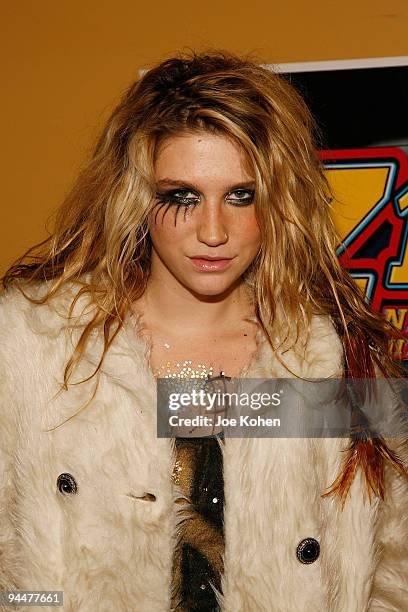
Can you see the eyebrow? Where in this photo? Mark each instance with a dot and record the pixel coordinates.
(168, 182)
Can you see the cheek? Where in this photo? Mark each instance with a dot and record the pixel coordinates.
(250, 232)
(164, 234)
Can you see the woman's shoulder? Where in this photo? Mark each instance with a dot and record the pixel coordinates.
(21, 315)
(14, 314)
(323, 350)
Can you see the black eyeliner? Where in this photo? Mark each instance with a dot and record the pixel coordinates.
(168, 197)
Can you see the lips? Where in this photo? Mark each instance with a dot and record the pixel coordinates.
(209, 257)
(210, 264)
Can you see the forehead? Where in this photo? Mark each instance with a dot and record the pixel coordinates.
(201, 155)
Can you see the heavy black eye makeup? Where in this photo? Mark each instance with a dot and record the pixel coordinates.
(245, 196)
(188, 198)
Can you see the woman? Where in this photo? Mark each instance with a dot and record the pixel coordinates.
(208, 157)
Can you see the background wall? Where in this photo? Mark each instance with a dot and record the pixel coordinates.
(66, 64)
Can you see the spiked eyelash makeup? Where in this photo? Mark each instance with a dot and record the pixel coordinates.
(170, 198)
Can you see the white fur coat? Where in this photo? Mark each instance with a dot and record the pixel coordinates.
(109, 547)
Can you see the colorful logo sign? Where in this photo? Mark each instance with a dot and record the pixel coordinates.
(370, 187)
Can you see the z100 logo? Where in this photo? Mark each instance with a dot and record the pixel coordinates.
(371, 210)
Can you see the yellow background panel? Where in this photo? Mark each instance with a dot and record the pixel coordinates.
(356, 191)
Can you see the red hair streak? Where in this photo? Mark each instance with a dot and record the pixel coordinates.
(364, 451)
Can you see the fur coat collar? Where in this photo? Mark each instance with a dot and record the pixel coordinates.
(108, 546)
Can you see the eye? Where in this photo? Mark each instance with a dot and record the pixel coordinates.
(241, 196)
(178, 198)
(183, 197)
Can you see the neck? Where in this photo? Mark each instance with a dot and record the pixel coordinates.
(183, 312)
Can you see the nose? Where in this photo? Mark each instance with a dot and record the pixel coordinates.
(212, 228)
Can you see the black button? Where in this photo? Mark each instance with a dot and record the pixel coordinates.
(308, 550)
(66, 484)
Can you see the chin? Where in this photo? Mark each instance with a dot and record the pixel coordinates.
(211, 287)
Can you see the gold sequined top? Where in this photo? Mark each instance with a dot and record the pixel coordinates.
(197, 472)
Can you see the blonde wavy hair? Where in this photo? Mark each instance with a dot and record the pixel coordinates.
(101, 228)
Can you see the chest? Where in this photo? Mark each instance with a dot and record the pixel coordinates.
(202, 354)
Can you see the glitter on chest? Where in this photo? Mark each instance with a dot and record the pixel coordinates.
(184, 370)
